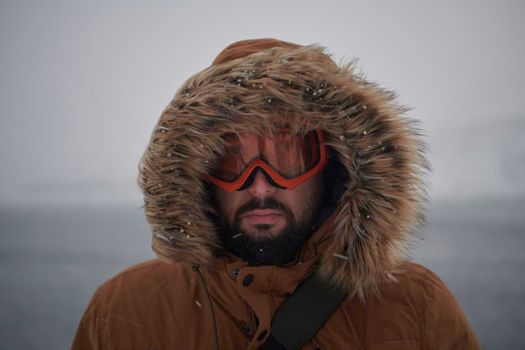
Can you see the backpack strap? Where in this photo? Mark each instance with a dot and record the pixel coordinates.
(303, 313)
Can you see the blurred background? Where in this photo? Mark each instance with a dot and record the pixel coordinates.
(83, 83)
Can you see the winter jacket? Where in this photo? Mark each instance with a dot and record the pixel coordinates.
(199, 296)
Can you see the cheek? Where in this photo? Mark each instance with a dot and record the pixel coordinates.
(298, 201)
(227, 202)
(310, 196)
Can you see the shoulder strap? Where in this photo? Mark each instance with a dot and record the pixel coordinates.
(303, 313)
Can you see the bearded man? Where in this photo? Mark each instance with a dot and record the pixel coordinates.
(283, 192)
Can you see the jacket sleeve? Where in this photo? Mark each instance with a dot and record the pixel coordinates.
(445, 325)
(91, 330)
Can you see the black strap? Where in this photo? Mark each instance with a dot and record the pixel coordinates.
(303, 313)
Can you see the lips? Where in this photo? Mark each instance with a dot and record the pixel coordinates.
(262, 216)
(261, 212)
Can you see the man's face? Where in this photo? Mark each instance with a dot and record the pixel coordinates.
(267, 225)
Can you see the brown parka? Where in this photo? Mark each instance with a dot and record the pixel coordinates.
(198, 296)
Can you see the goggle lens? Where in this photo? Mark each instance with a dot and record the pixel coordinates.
(286, 157)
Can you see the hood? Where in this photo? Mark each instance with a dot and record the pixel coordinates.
(254, 85)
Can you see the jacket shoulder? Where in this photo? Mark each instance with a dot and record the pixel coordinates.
(127, 300)
(410, 283)
(414, 309)
(140, 280)
(410, 270)
(442, 321)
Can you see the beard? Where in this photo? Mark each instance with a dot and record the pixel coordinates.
(263, 248)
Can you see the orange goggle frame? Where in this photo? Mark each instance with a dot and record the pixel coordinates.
(314, 142)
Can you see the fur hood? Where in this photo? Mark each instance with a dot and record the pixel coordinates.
(381, 209)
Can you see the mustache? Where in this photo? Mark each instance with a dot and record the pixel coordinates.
(267, 203)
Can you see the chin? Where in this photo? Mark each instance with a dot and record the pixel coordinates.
(263, 231)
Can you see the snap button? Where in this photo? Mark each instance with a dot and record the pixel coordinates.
(262, 335)
(247, 280)
(235, 272)
(245, 328)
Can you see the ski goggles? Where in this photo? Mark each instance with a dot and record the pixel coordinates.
(286, 159)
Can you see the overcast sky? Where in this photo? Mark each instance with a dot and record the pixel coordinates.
(83, 83)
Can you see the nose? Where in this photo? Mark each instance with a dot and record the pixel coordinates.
(260, 186)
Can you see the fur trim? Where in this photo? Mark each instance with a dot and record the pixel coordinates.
(381, 210)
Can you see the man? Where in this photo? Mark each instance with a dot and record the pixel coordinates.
(268, 167)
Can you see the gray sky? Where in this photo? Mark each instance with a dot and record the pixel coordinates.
(83, 83)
